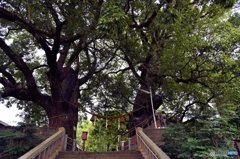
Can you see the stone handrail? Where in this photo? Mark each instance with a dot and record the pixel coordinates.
(147, 147)
(49, 148)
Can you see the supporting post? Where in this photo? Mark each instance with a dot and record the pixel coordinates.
(118, 123)
(95, 119)
(65, 142)
(74, 145)
(100, 138)
(154, 117)
(151, 99)
(119, 136)
(119, 139)
(122, 145)
(106, 123)
(83, 145)
(129, 143)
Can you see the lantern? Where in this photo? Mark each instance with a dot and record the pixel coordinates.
(84, 138)
(84, 135)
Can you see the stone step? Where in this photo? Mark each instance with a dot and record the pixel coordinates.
(100, 155)
(97, 153)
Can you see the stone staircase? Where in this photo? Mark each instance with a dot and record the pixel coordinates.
(155, 135)
(54, 146)
(100, 155)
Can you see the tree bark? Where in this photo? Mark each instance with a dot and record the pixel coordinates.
(68, 120)
(64, 109)
(142, 115)
(64, 115)
(142, 108)
(61, 101)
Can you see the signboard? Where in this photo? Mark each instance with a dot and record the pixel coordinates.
(221, 153)
(232, 153)
(218, 153)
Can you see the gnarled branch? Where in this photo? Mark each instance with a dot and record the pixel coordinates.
(22, 66)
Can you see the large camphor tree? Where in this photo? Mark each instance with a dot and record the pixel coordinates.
(182, 51)
(49, 49)
(170, 47)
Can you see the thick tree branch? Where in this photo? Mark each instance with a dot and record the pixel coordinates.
(22, 66)
(72, 38)
(187, 80)
(127, 6)
(80, 46)
(52, 55)
(59, 25)
(106, 63)
(91, 27)
(146, 23)
(37, 67)
(4, 82)
(37, 33)
(120, 70)
(7, 74)
(18, 93)
(57, 37)
(187, 107)
(91, 70)
(14, 17)
(63, 55)
(23, 94)
(130, 64)
(191, 80)
(82, 37)
(53, 12)
(97, 14)
(148, 20)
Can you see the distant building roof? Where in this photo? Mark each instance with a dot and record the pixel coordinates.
(3, 124)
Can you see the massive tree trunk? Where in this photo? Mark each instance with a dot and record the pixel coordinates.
(64, 118)
(63, 43)
(142, 115)
(142, 108)
(64, 109)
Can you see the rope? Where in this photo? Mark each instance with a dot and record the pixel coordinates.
(100, 115)
(58, 116)
(113, 116)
